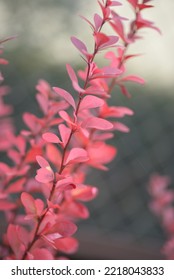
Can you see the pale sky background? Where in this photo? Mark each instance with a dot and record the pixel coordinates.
(48, 28)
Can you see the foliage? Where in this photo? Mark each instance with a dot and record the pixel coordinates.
(69, 139)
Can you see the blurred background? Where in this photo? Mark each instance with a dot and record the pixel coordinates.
(121, 225)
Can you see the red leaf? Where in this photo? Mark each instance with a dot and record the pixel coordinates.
(115, 111)
(65, 133)
(63, 228)
(45, 174)
(79, 44)
(112, 40)
(65, 184)
(68, 245)
(66, 95)
(42, 162)
(116, 3)
(97, 123)
(97, 155)
(31, 121)
(44, 88)
(98, 22)
(75, 209)
(124, 91)
(53, 154)
(64, 115)
(29, 203)
(118, 27)
(43, 102)
(18, 239)
(51, 137)
(4, 168)
(133, 78)
(6, 205)
(89, 102)
(100, 39)
(76, 155)
(84, 193)
(33, 207)
(3, 61)
(32, 153)
(74, 79)
(121, 127)
(40, 254)
(17, 186)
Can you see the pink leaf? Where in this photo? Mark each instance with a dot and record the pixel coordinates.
(98, 22)
(39, 206)
(64, 228)
(51, 137)
(97, 123)
(31, 121)
(89, 102)
(98, 159)
(42, 162)
(65, 133)
(125, 91)
(65, 184)
(68, 245)
(116, 3)
(53, 154)
(122, 111)
(74, 79)
(84, 193)
(40, 254)
(76, 155)
(29, 203)
(44, 88)
(66, 95)
(14, 155)
(115, 111)
(18, 239)
(64, 115)
(3, 61)
(100, 39)
(76, 209)
(118, 27)
(6, 205)
(44, 175)
(17, 186)
(43, 102)
(121, 127)
(111, 42)
(79, 44)
(4, 168)
(133, 78)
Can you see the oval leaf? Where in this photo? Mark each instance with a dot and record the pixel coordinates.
(76, 155)
(89, 102)
(66, 95)
(51, 137)
(98, 123)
